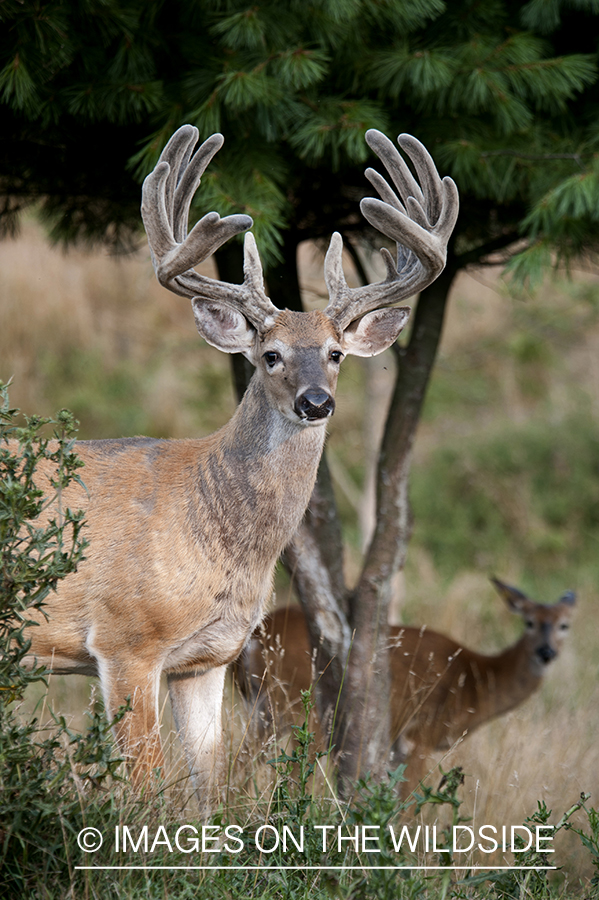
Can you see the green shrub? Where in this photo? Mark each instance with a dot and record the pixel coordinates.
(44, 776)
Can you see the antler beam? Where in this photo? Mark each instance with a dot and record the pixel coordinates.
(166, 199)
(420, 223)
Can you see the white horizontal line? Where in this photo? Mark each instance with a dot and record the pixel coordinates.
(330, 868)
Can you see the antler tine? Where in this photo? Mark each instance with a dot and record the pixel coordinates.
(420, 223)
(166, 199)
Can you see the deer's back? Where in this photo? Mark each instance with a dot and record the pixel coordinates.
(440, 688)
(437, 686)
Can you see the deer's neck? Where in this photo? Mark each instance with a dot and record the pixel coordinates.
(257, 429)
(509, 678)
(261, 469)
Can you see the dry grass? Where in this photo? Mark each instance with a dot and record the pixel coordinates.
(547, 749)
(71, 322)
(105, 316)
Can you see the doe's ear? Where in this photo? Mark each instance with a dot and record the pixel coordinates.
(224, 327)
(514, 598)
(569, 598)
(374, 332)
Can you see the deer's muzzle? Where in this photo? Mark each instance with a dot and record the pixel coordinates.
(546, 653)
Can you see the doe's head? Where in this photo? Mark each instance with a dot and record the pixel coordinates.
(546, 624)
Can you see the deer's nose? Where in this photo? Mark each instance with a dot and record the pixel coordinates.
(314, 404)
(546, 653)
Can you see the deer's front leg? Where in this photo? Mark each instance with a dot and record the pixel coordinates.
(137, 733)
(196, 701)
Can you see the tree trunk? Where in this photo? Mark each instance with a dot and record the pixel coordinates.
(282, 288)
(365, 734)
(282, 279)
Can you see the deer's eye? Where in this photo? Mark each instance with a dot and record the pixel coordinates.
(336, 356)
(564, 626)
(271, 357)
(530, 624)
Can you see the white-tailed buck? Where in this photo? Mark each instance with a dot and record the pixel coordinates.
(184, 535)
(439, 689)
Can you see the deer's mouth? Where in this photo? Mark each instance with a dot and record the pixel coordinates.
(320, 417)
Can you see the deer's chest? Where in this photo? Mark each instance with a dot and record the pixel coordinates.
(218, 641)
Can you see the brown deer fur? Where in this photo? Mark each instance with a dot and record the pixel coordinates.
(440, 689)
(184, 536)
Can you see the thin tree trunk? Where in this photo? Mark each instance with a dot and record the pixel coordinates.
(314, 560)
(388, 547)
(363, 728)
(282, 278)
(282, 288)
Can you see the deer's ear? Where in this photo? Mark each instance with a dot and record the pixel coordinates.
(375, 331)
(224, 328)
(514, 598)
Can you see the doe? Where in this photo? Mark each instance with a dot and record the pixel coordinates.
(440, 690)
(184, 534)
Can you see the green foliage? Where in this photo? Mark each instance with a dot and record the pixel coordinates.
(334, 130)
(81, 41)
(545, 15)
(502, 93)
(43, 777)
(589, 839)
(36, 554)
(296, 802)
(533, 882)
